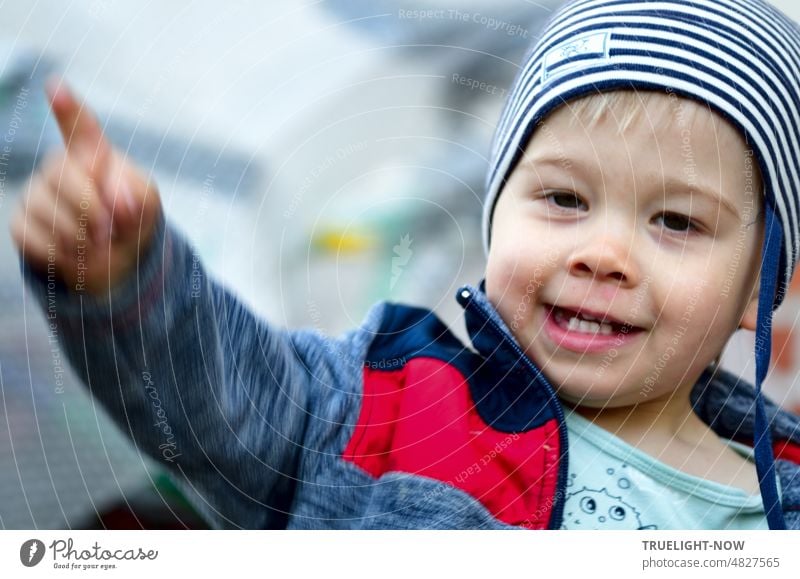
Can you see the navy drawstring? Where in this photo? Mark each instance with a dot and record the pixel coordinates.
(765, 459)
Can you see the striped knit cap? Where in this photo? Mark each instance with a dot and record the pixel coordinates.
(740, 57)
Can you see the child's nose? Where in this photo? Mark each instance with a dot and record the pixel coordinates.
(605, 259)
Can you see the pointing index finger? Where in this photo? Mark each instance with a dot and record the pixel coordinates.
(80, 130)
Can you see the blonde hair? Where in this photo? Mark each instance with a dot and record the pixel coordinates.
(590, 109)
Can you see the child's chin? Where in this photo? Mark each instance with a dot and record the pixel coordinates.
(592, 399)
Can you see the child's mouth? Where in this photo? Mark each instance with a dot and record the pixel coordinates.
(576, 322)
(584, 333)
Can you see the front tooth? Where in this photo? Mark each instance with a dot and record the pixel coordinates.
(589, 327)
(577, 324)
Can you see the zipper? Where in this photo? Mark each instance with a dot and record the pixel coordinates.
(466, 299)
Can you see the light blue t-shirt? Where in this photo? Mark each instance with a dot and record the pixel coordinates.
(613, 485)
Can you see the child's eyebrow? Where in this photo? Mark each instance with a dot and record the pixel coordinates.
(674, 187)
(561, 163)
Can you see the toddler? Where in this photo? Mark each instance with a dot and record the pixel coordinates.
(641, 206)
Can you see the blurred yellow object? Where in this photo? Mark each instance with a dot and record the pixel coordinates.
(342, 241)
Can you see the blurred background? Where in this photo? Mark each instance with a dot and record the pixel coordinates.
(321, 156)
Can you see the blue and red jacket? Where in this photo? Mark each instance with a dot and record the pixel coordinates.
(395, 424)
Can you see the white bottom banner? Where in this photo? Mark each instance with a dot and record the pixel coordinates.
(414, 554)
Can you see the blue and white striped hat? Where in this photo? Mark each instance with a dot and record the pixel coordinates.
(740, 57)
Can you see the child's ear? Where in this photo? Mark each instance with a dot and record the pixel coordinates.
(750, 315)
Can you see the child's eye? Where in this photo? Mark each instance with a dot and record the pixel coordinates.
(564, 200)
(679, 223)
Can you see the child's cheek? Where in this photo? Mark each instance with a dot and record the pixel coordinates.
(513, 287)
(499, 278)
(506, 279)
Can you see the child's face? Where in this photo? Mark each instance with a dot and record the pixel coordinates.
(615, 223)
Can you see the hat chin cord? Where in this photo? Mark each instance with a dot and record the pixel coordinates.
(765, 459)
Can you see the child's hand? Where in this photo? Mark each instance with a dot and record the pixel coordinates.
(88, 212)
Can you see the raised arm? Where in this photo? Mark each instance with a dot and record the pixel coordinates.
(216, 395)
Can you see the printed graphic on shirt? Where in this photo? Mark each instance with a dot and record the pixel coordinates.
(591, 509)
(597, 509)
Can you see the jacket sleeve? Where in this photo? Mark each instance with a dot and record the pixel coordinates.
(198, 382)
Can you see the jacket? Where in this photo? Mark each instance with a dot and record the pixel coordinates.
(395, 424)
